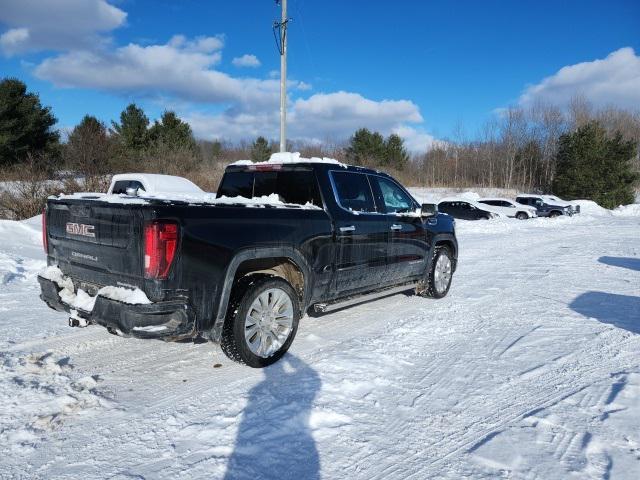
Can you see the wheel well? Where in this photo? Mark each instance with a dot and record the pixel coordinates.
(281, 267)
(449, 244)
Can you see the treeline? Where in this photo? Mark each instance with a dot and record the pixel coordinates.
(519, 148)
(542, 148)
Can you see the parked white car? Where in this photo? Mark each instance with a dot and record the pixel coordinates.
(151, 183)
(510, 208)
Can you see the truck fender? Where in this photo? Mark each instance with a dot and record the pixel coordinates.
(450, 240)
(251, 254)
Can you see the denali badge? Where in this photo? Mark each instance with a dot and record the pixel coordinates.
(81, 229)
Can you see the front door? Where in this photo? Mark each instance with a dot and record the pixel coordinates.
(409, 245)
(362, 235)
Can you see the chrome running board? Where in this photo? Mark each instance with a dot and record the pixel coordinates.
(349, 301)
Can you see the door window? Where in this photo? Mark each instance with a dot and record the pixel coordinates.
(353, 191)
(393, 198)
(121, 186)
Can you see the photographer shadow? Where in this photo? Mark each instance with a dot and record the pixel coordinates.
(274, 439)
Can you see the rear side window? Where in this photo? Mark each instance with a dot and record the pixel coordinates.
(236, 184)
(522, 200)
(298, 187)
(353, 191)
(121, 186)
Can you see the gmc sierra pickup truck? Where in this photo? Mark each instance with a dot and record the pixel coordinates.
(241, 267)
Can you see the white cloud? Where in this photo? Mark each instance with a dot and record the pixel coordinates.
(614, 80)
(186, 71)
(415, 139)
(56, 24)
(182, 68)
(246, 60)
(321, 117)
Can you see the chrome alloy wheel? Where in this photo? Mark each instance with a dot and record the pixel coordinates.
(269, 322)
(442, 273)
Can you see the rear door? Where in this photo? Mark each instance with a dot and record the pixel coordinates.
(362, 234)
(96, 243)
(409, 245)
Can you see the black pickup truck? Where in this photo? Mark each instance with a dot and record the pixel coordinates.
(243, 272)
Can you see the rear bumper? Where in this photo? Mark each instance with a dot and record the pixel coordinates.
(170, 320)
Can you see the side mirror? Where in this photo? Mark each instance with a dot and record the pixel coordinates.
(428, 210)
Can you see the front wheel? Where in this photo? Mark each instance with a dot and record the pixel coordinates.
(522, 216)
(262, 324)
(440, 273)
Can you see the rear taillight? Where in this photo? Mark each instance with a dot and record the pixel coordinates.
(45, 241)
(160, 244)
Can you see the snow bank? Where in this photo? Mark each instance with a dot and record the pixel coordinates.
(40, 395)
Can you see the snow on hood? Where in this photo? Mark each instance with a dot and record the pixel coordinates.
(288, 158)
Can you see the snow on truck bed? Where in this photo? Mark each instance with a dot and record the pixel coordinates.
(528, 369)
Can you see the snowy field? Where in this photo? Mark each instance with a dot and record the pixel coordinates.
(529, 369)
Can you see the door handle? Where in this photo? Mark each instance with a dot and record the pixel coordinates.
(350, 228)
(396, 227)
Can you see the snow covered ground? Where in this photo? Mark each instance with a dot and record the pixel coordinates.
(529, 369)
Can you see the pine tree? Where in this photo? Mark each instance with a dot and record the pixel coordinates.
(261, 150)
(132, 130)
(26, 127)
(172, 133)
(594, 166)
(88, 149)
(366, 148)
(396, 154)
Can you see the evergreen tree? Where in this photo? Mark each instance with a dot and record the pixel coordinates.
(594, 166)
(396, 154)
(132, 131)
(366, 148)
(172, 133)
(26, 127)
(88, 149)
(261, 150)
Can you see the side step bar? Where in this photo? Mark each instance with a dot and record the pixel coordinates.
(349, 301)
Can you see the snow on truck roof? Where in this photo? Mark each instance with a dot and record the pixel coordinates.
(288, 158)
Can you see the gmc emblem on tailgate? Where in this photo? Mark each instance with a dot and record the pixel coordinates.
(81, 229)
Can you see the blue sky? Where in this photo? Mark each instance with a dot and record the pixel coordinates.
(419, 68)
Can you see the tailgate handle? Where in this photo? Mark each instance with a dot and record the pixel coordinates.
(347, 229)
(395, 227)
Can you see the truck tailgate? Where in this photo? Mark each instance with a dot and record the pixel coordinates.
(97, 243)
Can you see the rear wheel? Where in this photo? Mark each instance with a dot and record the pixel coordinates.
(262, 323)
(440, 273)
(522, 216)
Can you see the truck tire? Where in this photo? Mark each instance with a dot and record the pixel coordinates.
(438, 280)
(261, 323)
(555, 214)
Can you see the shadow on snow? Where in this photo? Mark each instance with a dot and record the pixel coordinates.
(274, 439)
(623, 311)
(623, 262)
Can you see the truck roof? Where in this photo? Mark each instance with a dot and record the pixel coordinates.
(288, 159)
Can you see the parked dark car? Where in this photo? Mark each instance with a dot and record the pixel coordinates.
(465, 210)
(242, 271)
(546, 207)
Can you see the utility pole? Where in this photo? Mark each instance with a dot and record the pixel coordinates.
(281, 40)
